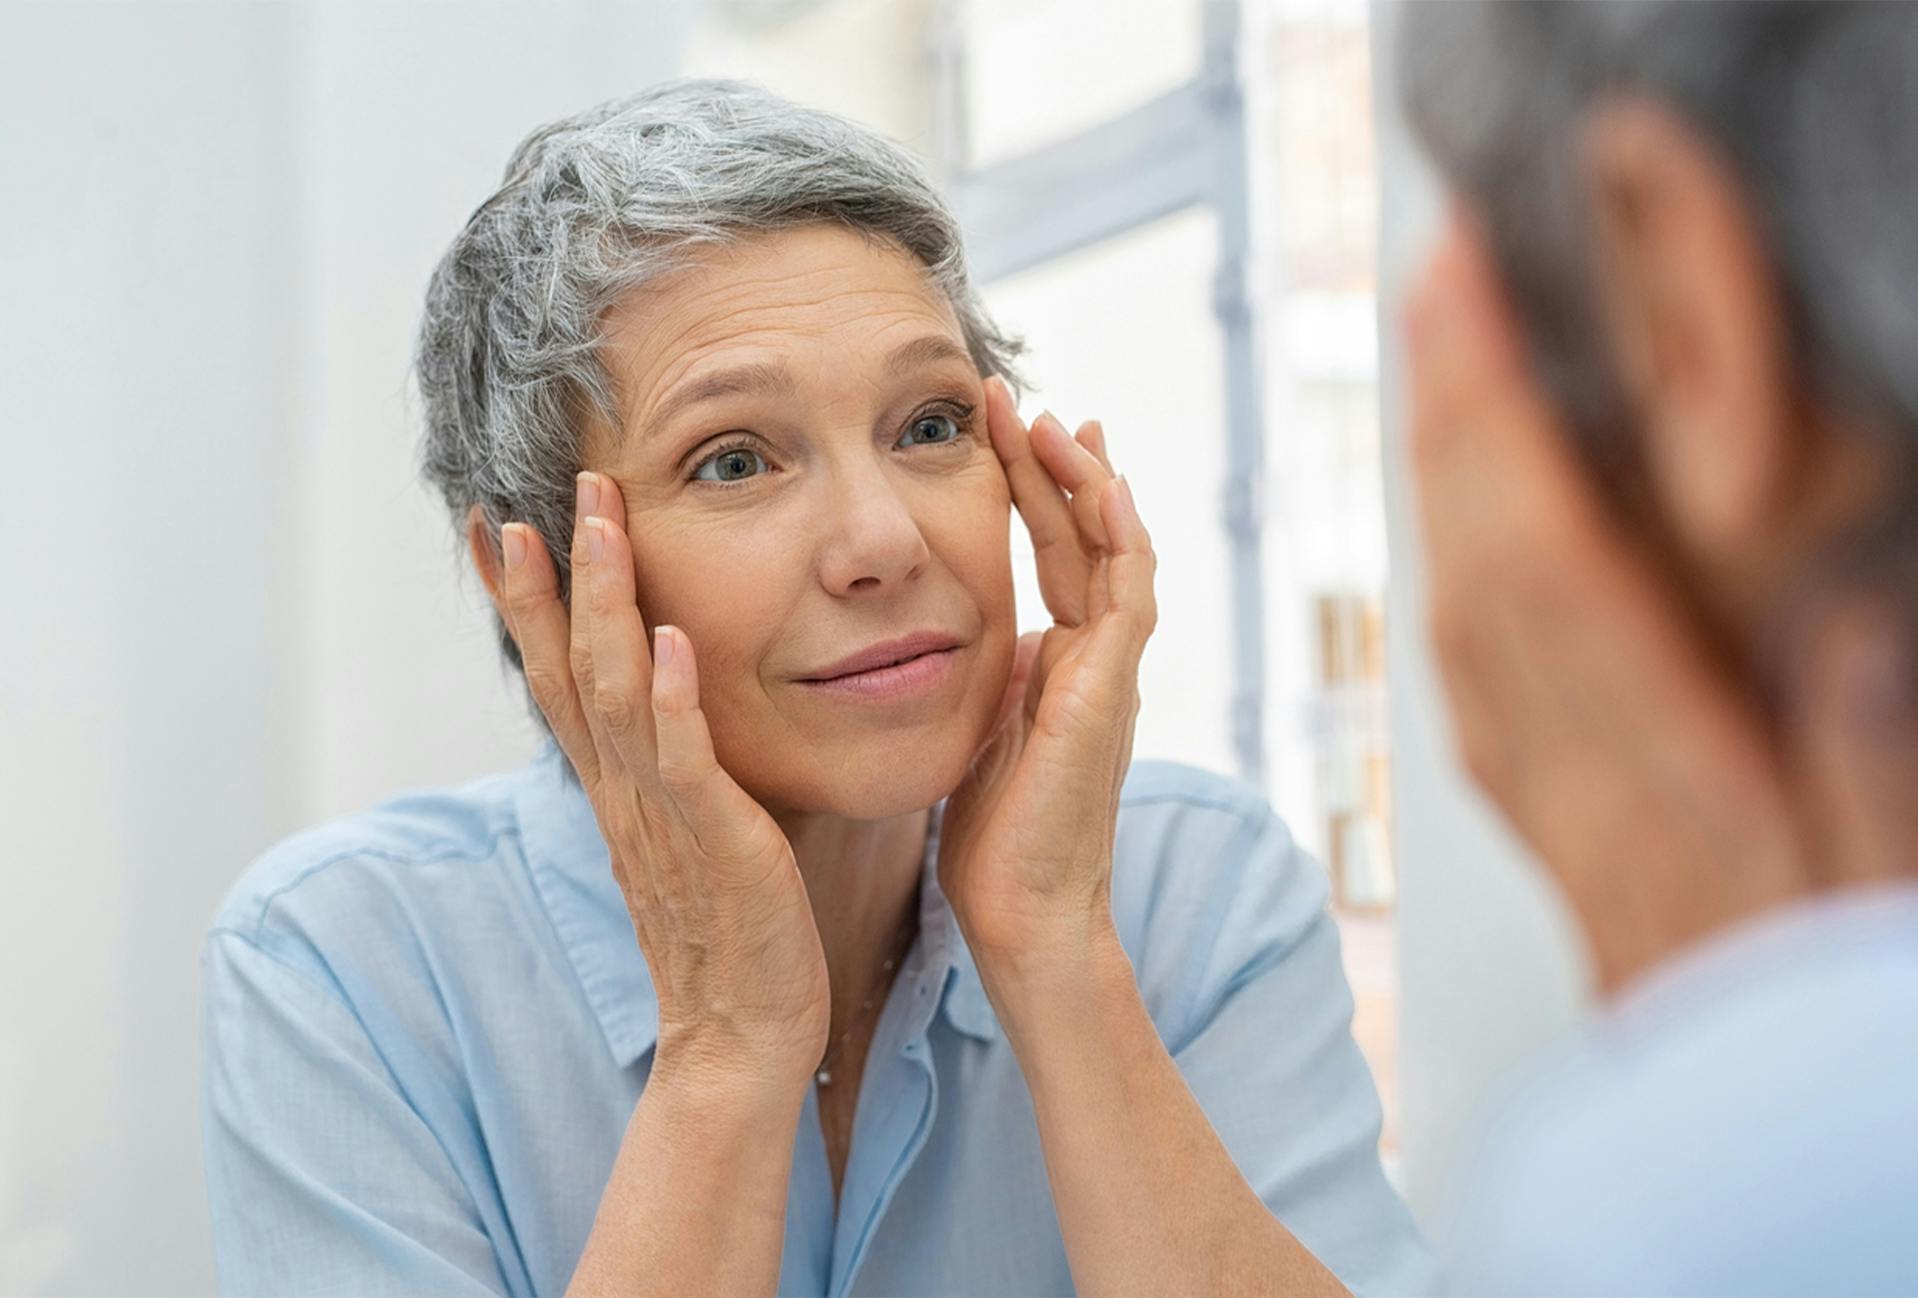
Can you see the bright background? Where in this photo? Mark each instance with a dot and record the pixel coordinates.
(231, 610)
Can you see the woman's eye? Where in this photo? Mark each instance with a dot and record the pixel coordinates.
(931, 430)
(734, 465)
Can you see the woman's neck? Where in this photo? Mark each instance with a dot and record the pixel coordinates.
(863, 879)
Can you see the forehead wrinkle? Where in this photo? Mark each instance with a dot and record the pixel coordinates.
(733, 326)
(752, 377)
(772, 376)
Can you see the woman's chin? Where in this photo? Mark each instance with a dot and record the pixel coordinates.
(871, 781)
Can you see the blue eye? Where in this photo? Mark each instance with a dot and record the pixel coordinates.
(931, 430)
(733, 464)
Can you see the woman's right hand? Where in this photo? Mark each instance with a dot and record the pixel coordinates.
(709, 878)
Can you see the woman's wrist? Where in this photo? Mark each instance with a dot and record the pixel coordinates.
(696, 1073)
(697, 1196)
(1061, 970)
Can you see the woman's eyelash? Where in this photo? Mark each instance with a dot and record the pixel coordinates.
(960, 412)
(724, 448)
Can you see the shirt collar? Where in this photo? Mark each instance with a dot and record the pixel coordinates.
(572, 873)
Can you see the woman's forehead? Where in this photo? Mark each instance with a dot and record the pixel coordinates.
(824, 274)
(804, 297)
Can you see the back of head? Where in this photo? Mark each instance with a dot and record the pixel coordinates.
(1813, 104)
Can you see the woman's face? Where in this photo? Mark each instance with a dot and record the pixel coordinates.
(807, 474)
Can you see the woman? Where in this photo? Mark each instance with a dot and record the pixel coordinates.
(1665, 432)
(930, 992)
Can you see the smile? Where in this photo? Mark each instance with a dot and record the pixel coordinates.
(917, 675)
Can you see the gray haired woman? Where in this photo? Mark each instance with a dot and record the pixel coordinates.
(1666, 432)
(832, 942)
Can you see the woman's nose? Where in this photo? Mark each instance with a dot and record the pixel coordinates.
(871, 538)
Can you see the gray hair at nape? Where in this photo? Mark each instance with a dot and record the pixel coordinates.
(507, 362)
(1813, 102)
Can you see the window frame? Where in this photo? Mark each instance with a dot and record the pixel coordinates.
(1186, 148)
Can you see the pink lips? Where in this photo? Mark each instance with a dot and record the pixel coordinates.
(884, 654)
(891, 669)
(914, 676)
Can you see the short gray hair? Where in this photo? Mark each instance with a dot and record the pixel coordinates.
(592, 206)
(1812, 101)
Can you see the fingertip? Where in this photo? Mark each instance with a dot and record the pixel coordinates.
(998, 393)
(663, 655)
(1002, 418)
(512, 544)
(1092, 436)
(612, 505)
(672, 668)
(1120, 513)
(1045, 433)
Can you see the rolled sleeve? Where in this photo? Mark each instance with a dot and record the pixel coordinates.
(322, 1178)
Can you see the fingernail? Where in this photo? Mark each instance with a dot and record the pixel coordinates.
(513, 543)
(588, 495)
(1125, 490)
(595, 538)
(663, 646)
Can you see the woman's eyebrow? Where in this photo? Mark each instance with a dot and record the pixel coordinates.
(759, 378)
(769, 378)
(928, 349)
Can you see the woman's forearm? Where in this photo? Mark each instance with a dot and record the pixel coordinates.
(1149, 1201)
(696, 1202)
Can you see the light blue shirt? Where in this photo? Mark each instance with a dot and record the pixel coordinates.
(426, 1027)
(1745, 1122)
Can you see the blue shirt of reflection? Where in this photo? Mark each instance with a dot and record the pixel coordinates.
(1742, 1121)
(425, 1028)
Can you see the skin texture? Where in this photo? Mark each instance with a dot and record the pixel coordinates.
(1692, 723)
(767, 841)
(837, 539)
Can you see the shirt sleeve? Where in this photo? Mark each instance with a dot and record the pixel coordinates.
(323, 1179)
(1269, 1054)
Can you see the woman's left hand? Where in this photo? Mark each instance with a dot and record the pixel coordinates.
(1025, 853)
(1148, 1198)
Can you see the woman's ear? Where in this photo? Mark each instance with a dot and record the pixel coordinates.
(484, 544)
(1698, 330)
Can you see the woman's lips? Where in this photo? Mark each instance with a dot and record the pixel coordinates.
(901, 680)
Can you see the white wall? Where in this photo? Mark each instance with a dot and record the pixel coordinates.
(226, 609)
(403, 684)
(145, 750)
(1489, 968)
